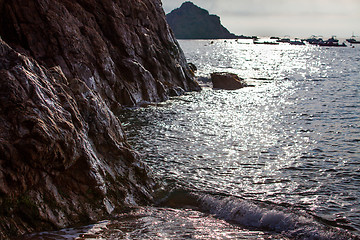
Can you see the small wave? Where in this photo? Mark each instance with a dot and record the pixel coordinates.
(85, 232)
(251, 215)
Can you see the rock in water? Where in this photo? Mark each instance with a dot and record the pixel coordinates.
(227, 81)
(65, 68)
(192, 22)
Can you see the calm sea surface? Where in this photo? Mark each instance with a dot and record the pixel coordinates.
(288, 147)
(280, 160)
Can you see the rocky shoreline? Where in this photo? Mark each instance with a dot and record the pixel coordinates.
(66, 68)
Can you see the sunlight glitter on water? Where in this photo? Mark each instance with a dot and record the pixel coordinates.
(286, 140)
(250, 61)
(275, 161)
(158, 223)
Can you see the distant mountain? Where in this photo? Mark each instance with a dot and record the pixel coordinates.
(192, 22)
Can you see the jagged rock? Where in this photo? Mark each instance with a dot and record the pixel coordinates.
(227, 81)
(123, 50)
(65, 69)
(192, 22)
(193, 68)
(64, 158)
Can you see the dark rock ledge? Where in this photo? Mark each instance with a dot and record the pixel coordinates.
(227, 81)
(65, 68)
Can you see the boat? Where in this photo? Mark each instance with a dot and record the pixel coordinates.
(331, 42)
(244, 37)
(265, 42)
(297, 42)
(313, 40)
(353, 40)
(285, 39)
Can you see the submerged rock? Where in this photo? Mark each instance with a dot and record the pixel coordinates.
(66, 67)
(227, 81)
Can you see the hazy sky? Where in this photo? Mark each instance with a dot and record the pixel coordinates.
(297, 18)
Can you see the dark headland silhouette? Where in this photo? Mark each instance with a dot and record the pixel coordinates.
(192, 22)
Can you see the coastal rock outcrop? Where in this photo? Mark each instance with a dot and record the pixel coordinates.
(227, 81)
(124, 50)
(192, 22)
(66, 68)
(64, 158)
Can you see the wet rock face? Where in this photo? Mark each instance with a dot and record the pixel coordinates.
(227, 81)
(122, 49)
(63, 155)
(65, 68)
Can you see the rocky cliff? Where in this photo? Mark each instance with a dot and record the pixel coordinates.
(192, 22)
(66, 68)
(121, 49)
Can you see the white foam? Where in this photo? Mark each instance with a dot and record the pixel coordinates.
(90, 232)
(287, 223)
(247, 214)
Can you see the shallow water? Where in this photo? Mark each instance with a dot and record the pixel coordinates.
(158, 223)
(276, 161)
(292, 140)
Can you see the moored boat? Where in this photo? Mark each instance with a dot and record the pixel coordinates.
(331, 42)
(353, 40)
(285, 39)
(267, 43)
(297, 42)
(313, 40)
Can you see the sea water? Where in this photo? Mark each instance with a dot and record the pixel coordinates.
(280, 160)
(283, 156)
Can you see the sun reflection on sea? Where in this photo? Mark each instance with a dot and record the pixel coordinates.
(286, 140)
